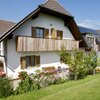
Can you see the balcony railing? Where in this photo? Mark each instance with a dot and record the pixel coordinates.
(29, 44)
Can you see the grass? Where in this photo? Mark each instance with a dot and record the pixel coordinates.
(85, 89)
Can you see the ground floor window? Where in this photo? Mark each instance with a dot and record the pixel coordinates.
(32, 61)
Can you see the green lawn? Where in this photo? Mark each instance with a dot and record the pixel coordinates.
(85, 89)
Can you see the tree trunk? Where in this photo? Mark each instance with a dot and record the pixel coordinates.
(75, 75)
(93, 71)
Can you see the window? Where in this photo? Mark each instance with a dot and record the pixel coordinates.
(29, 61)
(56, 34)
(91, 40)
(53, 33)
(59, 34)
(39, 32)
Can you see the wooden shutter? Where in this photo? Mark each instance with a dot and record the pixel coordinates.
(53, 33)
(59, 34)
(16, 43)
(23, 62)
(46, 33)
(37, 61)
(33, 32)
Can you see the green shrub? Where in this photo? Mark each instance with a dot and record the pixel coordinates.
(37, 81)
(6, 88)
(59, 80)
(23, 75)
(24, 86)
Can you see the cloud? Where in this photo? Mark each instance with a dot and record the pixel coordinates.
(89, 24)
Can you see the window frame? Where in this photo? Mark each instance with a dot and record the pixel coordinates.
(41, 28)
(89, 39)
(28, 61)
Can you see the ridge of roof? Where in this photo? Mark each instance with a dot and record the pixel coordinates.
(55, 6)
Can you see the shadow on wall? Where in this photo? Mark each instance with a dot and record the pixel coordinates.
(1, 64)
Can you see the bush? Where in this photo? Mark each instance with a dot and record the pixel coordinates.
(36, 81)
(6, 88)
(24, 86)
(23, 75)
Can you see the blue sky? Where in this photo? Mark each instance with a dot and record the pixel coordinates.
(85, 12)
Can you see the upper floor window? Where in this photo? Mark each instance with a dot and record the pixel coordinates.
(91, 40)
(56, 34)
(59, 34)
(39, 32)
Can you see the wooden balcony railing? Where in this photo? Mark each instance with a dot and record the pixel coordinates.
(29, 44)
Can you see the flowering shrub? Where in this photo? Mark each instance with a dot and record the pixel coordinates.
(36, 81)
(23, 75)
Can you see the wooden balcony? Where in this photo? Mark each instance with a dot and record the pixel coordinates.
(29, 44)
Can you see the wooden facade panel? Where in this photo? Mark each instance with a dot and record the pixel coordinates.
(29, 44)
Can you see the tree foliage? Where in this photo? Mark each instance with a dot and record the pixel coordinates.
(6, 88)
(92, 61)
(98, 61)
(80, 63)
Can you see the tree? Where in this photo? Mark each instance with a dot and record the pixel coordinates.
(77, 63)
(75, 60)
(65, 55)
(93, 60)
(98, 63)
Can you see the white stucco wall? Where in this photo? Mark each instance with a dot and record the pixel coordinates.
(46, 58)
(1, 48)
(44, 21)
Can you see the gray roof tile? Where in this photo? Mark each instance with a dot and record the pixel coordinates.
(55, 6)
(5, 25)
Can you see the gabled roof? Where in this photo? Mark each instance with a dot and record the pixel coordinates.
(98, 31)
(52, 7)
(55, 6)
(5, 25)
(85, 30)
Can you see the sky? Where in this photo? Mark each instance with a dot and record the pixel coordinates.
(86, 12)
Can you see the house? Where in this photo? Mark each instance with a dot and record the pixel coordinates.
(4, 26)
(33, 43)
(92, 37)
